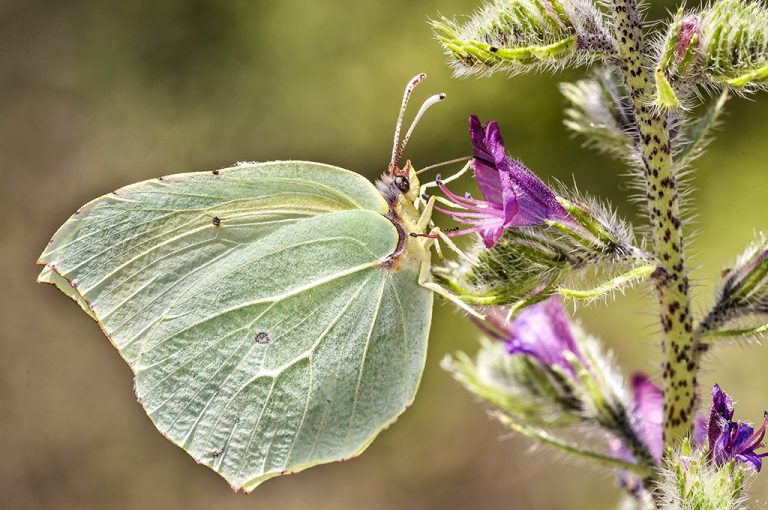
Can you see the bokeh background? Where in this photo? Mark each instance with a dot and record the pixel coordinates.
(98, 94)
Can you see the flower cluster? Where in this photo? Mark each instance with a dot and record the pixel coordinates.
(533, 238)
(535, 244)
(515, 36)
(543, 334)
(723, 45)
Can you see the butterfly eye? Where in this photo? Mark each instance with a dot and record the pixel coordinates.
(402, 183)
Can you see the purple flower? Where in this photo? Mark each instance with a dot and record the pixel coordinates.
(541, 331)
(648, 413)
(755, 261)
(647, 416)
(513, 195)
(729, 440)
(720, 414)
(690, 25)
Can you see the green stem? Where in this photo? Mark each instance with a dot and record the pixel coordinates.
(543, 437)
(680, 367)
(619, 282)
(731, 333)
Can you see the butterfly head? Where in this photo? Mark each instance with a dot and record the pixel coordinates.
(403, 181)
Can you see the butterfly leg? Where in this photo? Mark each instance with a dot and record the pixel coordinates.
(426, 215)
(449, 242)
(427, 283)
(436, 233)
(425, 220)
(453, 177)
(442, 291)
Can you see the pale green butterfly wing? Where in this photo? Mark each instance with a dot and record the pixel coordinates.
(265, 335)
(48, 275)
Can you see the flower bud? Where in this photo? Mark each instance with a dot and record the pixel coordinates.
(517, 35)
(724, 45)
(744, 291)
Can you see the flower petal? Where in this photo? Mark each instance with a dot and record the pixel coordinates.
(721, 414)
(648, 412)
(544, 332)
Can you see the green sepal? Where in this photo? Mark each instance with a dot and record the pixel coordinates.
(589, 222)
(665, 94)
(519, 386)
(688, 477)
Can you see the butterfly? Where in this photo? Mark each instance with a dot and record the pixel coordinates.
(275, 315)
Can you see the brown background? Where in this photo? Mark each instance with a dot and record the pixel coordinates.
(98, 94)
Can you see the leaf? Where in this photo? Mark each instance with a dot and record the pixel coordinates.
(252, 305)
(742, 294)
(730, 333)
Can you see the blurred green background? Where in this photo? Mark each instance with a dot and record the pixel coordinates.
(98, 94)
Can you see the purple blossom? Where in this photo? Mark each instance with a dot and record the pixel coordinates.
(513, 195)
(648, 413)
(729, 440)
(690, 25)
(541, 331)
(647, 416)
(720, 414)
(757, 259)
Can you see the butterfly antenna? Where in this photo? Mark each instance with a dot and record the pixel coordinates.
(424, 107)
(443, 163)
(406, 96)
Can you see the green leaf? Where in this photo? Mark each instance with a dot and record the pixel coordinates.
(731, 333)
(252, 304)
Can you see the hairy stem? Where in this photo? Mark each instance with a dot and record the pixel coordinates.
(663, 207)
(547, 439)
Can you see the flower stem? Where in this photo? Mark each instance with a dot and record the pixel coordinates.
(543, 437)
(680, 367)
